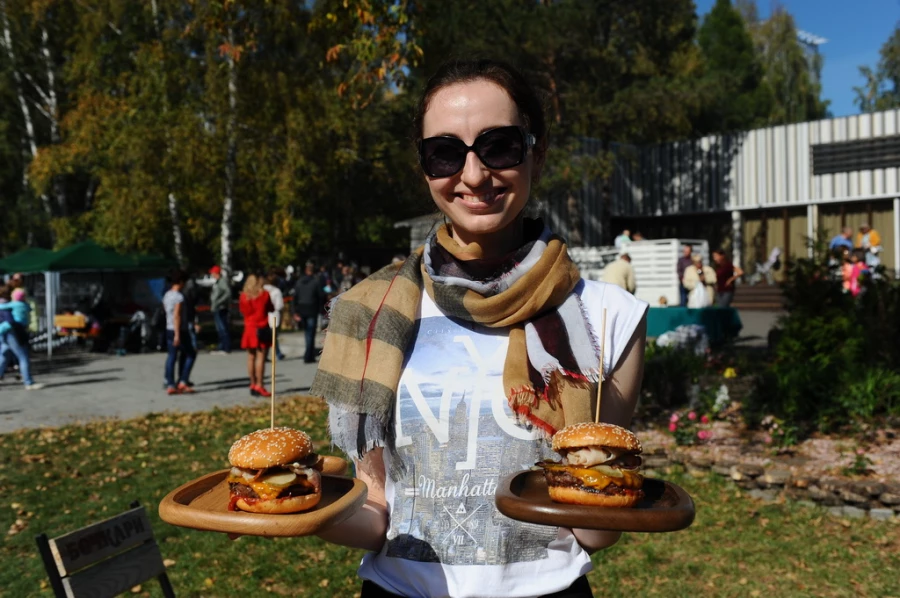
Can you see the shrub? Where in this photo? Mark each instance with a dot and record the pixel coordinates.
(669, 373)
(836, 357)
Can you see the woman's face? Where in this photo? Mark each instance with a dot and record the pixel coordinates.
(482, 203)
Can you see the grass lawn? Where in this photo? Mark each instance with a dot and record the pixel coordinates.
(57, 480)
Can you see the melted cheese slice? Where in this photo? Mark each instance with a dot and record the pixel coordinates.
(263, 488)
(598, 480)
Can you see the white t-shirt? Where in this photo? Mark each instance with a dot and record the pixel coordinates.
(277, 302)
(170, 300)
(446, 537)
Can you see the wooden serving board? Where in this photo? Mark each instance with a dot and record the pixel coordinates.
(202, 504)
(664, 508)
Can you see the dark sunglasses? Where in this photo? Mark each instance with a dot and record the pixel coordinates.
(504, 147)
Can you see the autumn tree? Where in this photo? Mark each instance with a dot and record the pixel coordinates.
(881, 90)
(787, 69)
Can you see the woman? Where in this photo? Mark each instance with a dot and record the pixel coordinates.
(426, 364)
(14, 318)
(255, 305)
(703, 277)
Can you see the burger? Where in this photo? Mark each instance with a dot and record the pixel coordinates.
(598, 467)
(274, 470)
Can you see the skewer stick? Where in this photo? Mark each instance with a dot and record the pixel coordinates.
(600, 379)
(272, 397)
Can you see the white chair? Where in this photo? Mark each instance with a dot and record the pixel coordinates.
(767, 270)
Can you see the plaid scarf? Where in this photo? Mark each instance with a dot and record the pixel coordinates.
(552, 363)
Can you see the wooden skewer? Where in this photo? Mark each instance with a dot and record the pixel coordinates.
(272, 397)
(600, 379)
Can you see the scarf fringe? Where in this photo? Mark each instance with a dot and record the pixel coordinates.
(592, 376)
(525, 417)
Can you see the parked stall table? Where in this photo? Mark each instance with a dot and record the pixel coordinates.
(721, 323)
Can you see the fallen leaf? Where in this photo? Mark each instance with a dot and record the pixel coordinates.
(136, 589)
(18, 526)
(168, 562)
(323, 583)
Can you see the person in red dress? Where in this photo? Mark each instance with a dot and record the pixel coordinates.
(255, 305)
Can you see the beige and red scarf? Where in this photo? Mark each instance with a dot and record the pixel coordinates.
(552, 363)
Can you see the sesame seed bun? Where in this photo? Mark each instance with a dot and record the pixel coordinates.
(580, 496)
(269, 447)
(277, 506)
(579, 436)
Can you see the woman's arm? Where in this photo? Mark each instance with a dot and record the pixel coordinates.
(367, 528)
(620, 395)
(176, 318)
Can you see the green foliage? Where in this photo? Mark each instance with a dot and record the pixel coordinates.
(669, 373)
(860, 466)
(836, 359)
(881, 91)
(793, 80)
(739, 98)
(299, 112)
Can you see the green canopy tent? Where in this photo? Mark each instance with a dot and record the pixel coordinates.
(87, 256)
(22, 261)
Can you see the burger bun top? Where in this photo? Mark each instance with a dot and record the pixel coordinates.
(269, 447)
(579, 436)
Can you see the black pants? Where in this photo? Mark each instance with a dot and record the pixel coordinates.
(580, 589)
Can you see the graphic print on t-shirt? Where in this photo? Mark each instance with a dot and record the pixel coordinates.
(458, 439)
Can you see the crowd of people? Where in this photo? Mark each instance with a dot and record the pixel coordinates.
(700, 285)
(856, 258)
(266, 302)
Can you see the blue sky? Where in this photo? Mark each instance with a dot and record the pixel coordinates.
(855, 30)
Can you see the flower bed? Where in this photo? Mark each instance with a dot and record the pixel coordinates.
(827, 471)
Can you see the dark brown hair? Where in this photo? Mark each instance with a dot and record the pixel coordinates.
(501, 74)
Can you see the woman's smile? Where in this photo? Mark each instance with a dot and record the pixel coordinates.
(484, 204)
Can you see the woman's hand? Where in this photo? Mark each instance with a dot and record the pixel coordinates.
(619, 399)
(367, 528)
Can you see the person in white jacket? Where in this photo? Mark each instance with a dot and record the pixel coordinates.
(703, 276)
(277, 298)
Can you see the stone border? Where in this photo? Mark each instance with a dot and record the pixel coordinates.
(842, 497)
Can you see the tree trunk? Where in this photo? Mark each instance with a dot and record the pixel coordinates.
(23, 104)
(59, 190)
(173, 200)
(231, 156)
(176, 229)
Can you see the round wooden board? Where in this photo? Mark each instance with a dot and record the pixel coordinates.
(664, 508)
(202, 504)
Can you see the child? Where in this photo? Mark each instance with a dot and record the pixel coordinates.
(858, 271)
(15, 336)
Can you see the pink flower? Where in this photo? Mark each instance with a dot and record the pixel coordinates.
(767, 439)
(703, 435)
(860, 451)
(692, 416)
(704, 419)
(673, 426)
(674, 418)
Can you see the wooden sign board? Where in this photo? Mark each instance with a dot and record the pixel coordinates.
(88, 545)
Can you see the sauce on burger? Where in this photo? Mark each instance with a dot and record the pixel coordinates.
(274, 470)
(598, 467)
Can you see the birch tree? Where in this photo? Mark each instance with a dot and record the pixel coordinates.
(30, 137)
